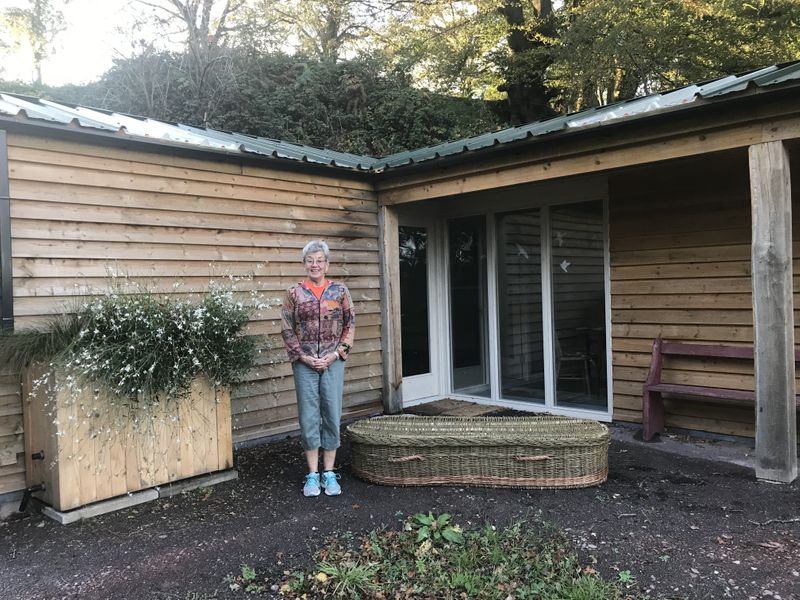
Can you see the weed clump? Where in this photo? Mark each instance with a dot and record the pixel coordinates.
(433, 557)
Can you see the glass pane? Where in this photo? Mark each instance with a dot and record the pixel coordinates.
(520, 305)
(579, 305)
(414, 300)
(467, 256)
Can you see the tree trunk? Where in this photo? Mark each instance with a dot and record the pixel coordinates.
(528, 96)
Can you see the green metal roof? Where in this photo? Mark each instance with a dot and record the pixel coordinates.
(23, 108)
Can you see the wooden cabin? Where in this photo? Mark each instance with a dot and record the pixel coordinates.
(530, 268)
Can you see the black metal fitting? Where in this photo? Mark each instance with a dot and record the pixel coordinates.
(26, 497)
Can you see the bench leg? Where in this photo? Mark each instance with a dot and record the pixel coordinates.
(652, 415)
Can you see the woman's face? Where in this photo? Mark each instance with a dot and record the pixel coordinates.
(316, 266)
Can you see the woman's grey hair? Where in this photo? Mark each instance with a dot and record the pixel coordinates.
(316, 246)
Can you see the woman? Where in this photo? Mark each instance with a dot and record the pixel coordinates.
(318, 328)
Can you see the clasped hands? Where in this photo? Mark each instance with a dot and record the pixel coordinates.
(319, 364)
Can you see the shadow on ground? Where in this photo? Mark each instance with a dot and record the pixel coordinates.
(684, 527)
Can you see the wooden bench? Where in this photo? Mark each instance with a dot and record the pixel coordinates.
(652, 402)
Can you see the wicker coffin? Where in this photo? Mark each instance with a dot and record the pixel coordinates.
(521, 452)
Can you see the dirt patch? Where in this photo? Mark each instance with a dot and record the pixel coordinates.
(683, 527)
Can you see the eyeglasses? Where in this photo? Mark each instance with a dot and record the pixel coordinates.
(315, 262)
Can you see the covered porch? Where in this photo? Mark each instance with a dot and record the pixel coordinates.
(538, 279)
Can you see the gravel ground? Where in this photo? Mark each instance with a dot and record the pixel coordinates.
(684, 527)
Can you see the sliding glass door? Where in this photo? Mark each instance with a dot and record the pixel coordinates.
(466, 240)
(577, 236)
(544, 312)
(519, 303)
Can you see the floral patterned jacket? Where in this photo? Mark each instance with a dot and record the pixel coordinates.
(318, 327)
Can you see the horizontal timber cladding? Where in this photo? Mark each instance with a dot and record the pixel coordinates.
(80, 213)
(680, 269)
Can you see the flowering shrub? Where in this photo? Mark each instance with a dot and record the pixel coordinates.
(139, 346)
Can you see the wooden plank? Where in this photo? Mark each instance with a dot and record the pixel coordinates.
(10, 447)
(133, 480)
(715, 285)
(681, 270)
(543, 164)
(680, 239)
(147, 229)
(98, 268)
(729, 252)
(84, 448)
(55, 286)
(262, 397)
(12, 483)
(269, 393)
(263, 418)
(129, 222)
(390, 310)
(682, 301)
(776, 432)
(184, 463)
(108, 180)
(267, 322)
(708, 333)
(24, 248)
(102, 436)
(685, 316)
(126, 154)
(224, 429)
(208, 171)
(115, 441)
(11, 425)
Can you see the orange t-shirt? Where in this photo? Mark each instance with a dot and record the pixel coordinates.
(316, 289)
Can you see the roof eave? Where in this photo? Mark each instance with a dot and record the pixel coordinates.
(76, 132)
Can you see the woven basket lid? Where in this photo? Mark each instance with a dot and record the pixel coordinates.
(540, 431)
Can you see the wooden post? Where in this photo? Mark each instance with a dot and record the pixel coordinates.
(773, 319)
(390, 310)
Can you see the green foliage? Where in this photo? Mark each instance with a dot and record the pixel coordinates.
(524, 561)
(614, 49)
(39, 345)
(350, 579)
(421, 73)
(247, 581)
(625, 577)
(353, 106)
(138, 346)
(430, 527)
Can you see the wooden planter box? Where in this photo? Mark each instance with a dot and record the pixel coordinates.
(83, 453)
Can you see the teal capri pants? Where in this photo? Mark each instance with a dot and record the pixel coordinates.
(319, 404)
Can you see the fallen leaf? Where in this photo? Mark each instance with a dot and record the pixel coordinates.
(772, 545)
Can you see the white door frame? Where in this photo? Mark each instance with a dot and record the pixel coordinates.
(422, 388)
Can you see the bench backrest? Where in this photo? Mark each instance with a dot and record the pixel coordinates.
(711, 350)
(662, 348)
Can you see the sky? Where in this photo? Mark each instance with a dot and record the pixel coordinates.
(84, 51)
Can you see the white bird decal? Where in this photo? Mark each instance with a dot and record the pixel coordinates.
(521, 251)
(565, 264)
(559, 238)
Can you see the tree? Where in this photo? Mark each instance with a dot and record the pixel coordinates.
(324, 30)
(355, 106)
(38, 23)
(496, 49)
(611, 50)
(204, 68)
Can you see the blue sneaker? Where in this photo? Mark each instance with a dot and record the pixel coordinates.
(332, 487)
(311, 487)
